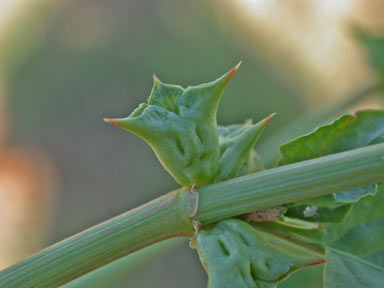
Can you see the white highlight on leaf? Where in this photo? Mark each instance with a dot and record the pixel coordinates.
(310, 211)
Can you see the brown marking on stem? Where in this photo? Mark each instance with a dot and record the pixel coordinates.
(267, 214)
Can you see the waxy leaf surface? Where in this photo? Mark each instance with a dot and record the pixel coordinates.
(355, 247)
(356, 258)
(235, 254)
(180, 126)
(237, 156)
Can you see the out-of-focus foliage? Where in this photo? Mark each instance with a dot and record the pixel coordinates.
(374, 45)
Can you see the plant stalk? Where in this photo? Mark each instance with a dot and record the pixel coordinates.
(291, 183)
(160, 219)
(170, 215)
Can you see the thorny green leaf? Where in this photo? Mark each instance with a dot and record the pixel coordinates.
(235, 254)
(237, 156)
(180, 126)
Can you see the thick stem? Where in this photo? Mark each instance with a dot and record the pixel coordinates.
(169, 215)
(165, 217)
(290, 183)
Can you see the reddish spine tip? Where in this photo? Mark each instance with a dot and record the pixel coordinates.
(111, 121)
(234, 69)
(269, 118)
(155, 77)
(322, 261)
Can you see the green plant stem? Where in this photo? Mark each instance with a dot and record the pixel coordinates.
(269, 149)
(113, 274)
(291, 183)
(165, 217)
(169, 215)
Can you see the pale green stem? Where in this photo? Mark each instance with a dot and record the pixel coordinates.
(169, 215)
(291, 183)
(165, 217)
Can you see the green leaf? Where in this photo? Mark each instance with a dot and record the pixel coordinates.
(363, 230)
(237, 156)
(356, 257)
(235, 254)
(180, 126)
(355, 253)
(346, 133)
(346, 270)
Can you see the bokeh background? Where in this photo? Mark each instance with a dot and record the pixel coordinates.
(65, 65)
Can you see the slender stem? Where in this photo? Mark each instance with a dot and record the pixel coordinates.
(291, 183)
(165, 217)
(170, 215)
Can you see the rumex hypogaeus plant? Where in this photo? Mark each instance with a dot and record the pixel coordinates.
(181, 127)
(251, 227)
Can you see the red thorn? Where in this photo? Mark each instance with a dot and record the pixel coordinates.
(322, 261)
(269, 118)
(111, 121)
(233, 71)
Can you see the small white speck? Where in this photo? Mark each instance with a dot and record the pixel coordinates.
(310, 211)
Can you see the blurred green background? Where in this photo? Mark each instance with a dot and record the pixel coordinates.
(66, 65)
